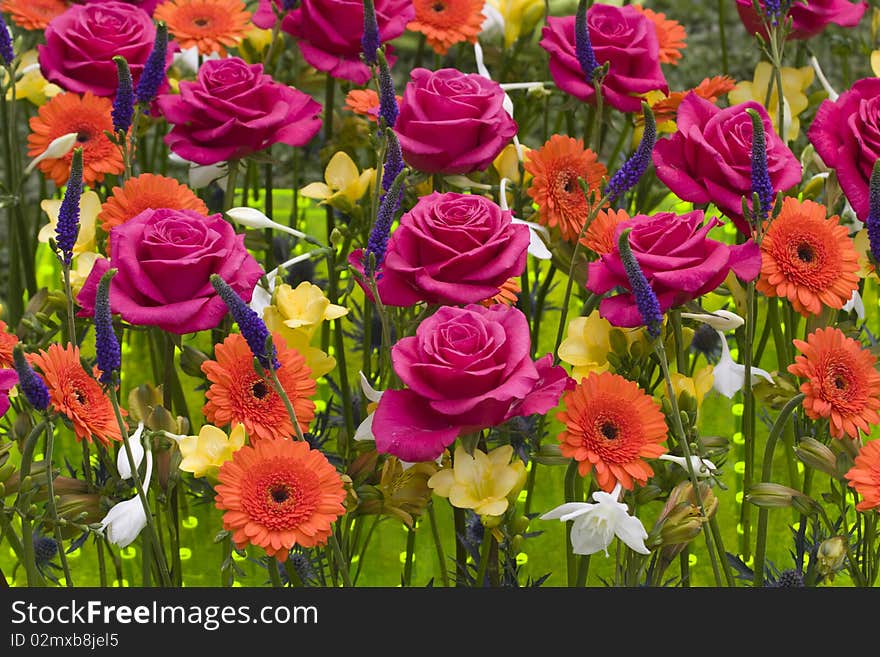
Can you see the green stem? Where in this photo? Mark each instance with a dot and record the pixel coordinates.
(438, 544)
(341, 563)
(274, 575)
(53, 510)
(571, 473)
(460, 551)
(363, 549)
(766, 473)
(748, 416)
(583, 570)
(722, 36)
(291, 413)
(231, 182)
(410, 554)
(27, 535)
(485, 548)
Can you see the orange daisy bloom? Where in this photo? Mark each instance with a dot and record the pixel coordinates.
(864, 476)
(447, 22)
(278, 493)
(808, 258)
(670, 34)
(33, 14)
(8, 341)
(239, 394)
(209, 25)
(841, 385)
(76, 395)
(555, 169)
(713, 88)
(599, 237)
(611, 425)
(508, 294)
(88, 116)
(144, 192)
(365, 102)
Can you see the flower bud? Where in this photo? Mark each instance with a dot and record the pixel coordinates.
(57, 148)
(772, 496)
(720, 320)
(816, 455)
(831, 555)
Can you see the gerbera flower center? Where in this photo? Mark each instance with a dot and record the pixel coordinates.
(438, 7)
(806, 253)
(201, 21)
(609, 430)
(280, 493)
(259, 389)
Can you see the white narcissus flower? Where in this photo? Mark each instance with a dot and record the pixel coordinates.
(730, 376)
(720, 320)
(596, 525)
(537, 247)
(125, 521)
(137, 451)
(253, 218)
(855, 303)
(702, 467)
(58, 147)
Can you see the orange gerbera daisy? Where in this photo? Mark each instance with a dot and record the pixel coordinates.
(864, 476)
(76, 395)
(7, 344)
(713, 88)
(508, 294)
(600, 235)
(447, 22)
(841, 385)
(209, 25)
(555, 168)
(239, 394)
(808, 258)
(671, 35)
(365, 102)
(87, 115)
(278, 493)
(144, 192)
(33, 14)
(611, 425)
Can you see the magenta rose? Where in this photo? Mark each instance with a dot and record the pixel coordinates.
(452, 122)
(465, 369)
(8, 379)
(808, 18)
(708, 159)
(232, 110)
(81, 43)
(165, 259)
(621, 36)
(329, 33)
(846, 135)
(450, 249)
(678, 259)
(148, 6)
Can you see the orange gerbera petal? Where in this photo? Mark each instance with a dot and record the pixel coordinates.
(278, 493)
(144, 192)
(671, 35)
(238, 394)
(447, 22)
(76, 395)
(600, 235)
(808, 258)
(555, 169)
(33, 14)
(864, 476)
(209, 25)
(611, 425)
(842, 384)
(508, 294)
(87, 115)
(7, 344)
(713, 88)
(365, 102)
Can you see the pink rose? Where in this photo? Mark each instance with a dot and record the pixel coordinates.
(621, 36)
(165, 259)
(678, 259)
(81, 43)
(232, 110)
(452, 122)
(808, 18)
(147, 5)
(329, 33)
(8, 380)
(708, 159)
(450, 249)
(465, 369)
(846, 135)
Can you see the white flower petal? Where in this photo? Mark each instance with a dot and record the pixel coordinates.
(855, 303)
(137, 451)
(369, 391)
(720, 320)
(124, 522)
(568, 511)
(630, 530)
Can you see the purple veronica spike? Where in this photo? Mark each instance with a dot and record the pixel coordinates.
(153, 74)
(106, 342)
(378, 241)
(30, 383)
(872, 222)
(761, 184)
(67, 229)
(123, 103)
(627, 176)
(393, 161)
(582, 47)
(646, 300)
(249, 323)
(7, 52)
(388, 109)
(370, 40)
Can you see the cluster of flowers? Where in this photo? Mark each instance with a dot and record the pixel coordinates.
(447, 246)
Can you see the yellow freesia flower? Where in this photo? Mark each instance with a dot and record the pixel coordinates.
(794, 83)
(82, 267)
(587, 344)
(89, 207)
(696, 386)
(343, 186)
(204, 454)
(482, 482)
(296, 313)
(31, 85)
(520, 17)
(507, 163)
(875, 63)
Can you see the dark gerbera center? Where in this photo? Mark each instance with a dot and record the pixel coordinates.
(279, 493)
(438, 7)
(202, 22)
(259, 389)
(806, 253)
(839, 382)
(82, 136)
(609, 430)
(80, 398)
